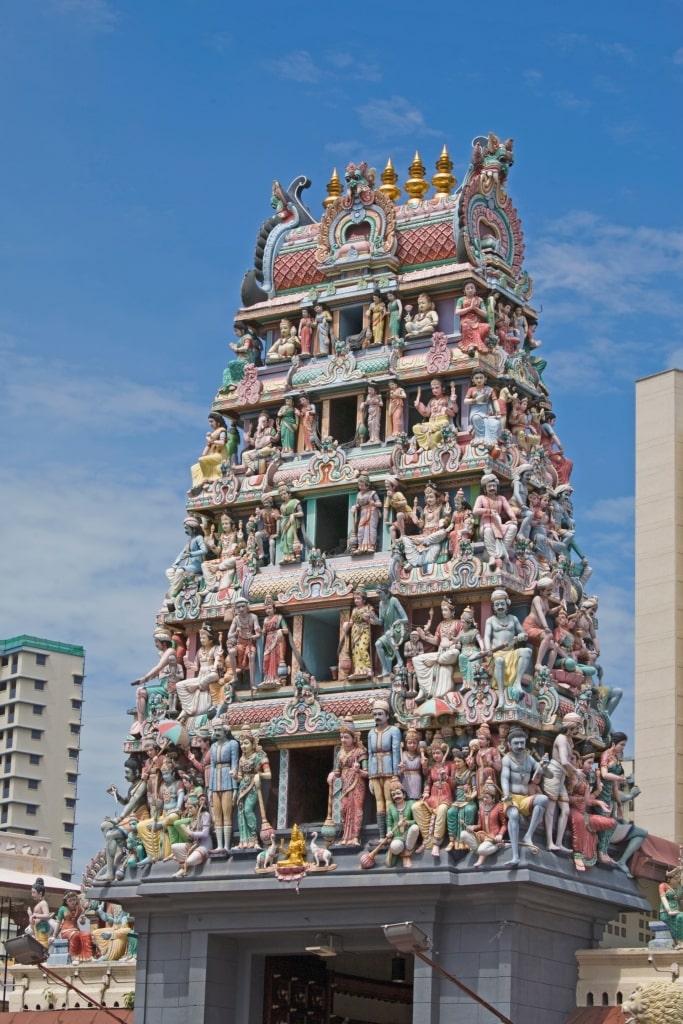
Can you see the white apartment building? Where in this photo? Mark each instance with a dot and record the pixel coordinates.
(41, 699)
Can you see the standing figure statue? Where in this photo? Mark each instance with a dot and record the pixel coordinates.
(518, 771)
(115, 829)
(375, 317)
(471, 648)
(215, 452)
(267, 517)
(497, 524)
(359, 630)
(671, 905)
(397, 404)
(188, 564)
(552, 446)
(395, 311)
(440, 411)
(371, 410)
(560, 768)
(287, 424)
(307, 425)
(41, 923)
(425, 321)
(242, 636)
(351, 768)
(252, 772)
(394, 620)
(223, 770)
(366, 513)
(536, 625)
(502, 633)
(275, 635)
(291, 517)
(384, 757)
(430, 812)
(306, 325)
(474, 323)
(323, 327)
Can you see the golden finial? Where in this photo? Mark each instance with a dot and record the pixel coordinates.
(416, 186)
(334, 189)
(389, 178)
(444, 180)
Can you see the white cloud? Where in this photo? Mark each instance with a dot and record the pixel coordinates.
(678, 56)
(301, 66)
(95, 15)
(298, 66)
(395, 117)
(570, 101)
(618, 512)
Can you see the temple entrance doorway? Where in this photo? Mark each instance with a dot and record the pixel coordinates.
(349, 988)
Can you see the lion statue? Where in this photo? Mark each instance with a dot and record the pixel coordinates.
(657, 1002)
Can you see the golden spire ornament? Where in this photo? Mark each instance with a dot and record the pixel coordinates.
(334, 189)
(389, 182)
(444, 180)
(416, 186)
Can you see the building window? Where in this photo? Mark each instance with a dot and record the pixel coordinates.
(8, 767)
(37, 709)
(15, 663)
(33, 783)
(34, 758)
(73, 752)
(77, 705)
(10, 715)
(3, 686)
(31, 808)
(5, 661)
(69, 801)
(39, 684)
(3, 816)
(12, 690)
(71, 778)
(5, 789)
(36, 734)
(78, 680)
(68, 826)
(75, 729)
(67, 853)
(41, 659)
(10, 738)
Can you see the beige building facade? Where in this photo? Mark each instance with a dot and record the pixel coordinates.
(41, 698)
(659, 603)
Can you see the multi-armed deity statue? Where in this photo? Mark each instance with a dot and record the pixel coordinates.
(385, 609)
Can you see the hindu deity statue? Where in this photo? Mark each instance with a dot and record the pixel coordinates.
(366, 513)
(214, 454)
(497, 524)
(287, 424)
(503, 636)
(252, 772)
(434, 670)
(275, 633)
(358, 629)
(474, 322)
(290, 519)
(371, 410)
(397, 403)
(287, 345)
(247, 349)
(351, 770)
(425, 321)
(197, 694)
(439, 411)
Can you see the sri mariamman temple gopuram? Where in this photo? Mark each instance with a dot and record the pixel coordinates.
(377, 694)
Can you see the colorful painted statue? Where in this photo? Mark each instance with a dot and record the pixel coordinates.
(394, 620)
(291, 515)
(260, 444)
(73, 925)
(463, 811)
(247, 349)
(115, 829)
(164, 671)
(167, 810)
(188, 564)
(384, 755)
(242, 636)
(430, 812)
(484, 419)
(440, 411)
(351, 768)
(425, 321)
(519, 770)
(471, 648)
(474, 324)
(502, 633)
(486, 836)
(371, 410)
(193, 850)
(671, 905)
(403, 830)
(366, 513)
(497, 524)
(222, 784)
(287, 345)
(287, 424)
(275, 633)
(308, 437)
(112, 940)
(434, 671)
(627, 836)
(397, 404)
(41, 923)
(323, 327)
(252, 772)
(215, 452)
(536, 625)
(375, 317)
(559, 769)
(359, 630)
(552, 446)
(413, 765)
(306, 325)
(395, 312)
(585, 825)
(197, 694)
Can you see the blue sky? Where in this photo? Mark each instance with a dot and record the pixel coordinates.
(140, 141)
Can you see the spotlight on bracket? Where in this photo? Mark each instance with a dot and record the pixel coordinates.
(326, 946)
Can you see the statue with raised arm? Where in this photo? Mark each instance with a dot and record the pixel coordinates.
(425, 321)
(439, 410)
(394, 621)
(497, 524)
(502, 636)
